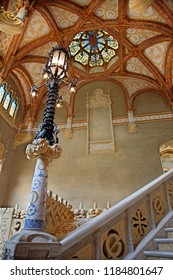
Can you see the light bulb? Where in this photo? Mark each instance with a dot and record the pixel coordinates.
(45, 75)
(33, 93)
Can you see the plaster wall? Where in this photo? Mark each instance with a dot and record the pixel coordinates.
(7, 138)
(101, 177)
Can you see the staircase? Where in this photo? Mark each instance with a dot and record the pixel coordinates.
(139, 227)
(164, 247)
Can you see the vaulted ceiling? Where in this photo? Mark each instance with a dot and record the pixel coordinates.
(145, 47)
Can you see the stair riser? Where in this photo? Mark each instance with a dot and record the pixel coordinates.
(158, 258)
(166, 247)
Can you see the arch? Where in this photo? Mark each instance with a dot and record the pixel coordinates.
(117, 91)
(148, 99)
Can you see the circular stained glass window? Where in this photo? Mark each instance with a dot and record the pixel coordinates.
(93, 48)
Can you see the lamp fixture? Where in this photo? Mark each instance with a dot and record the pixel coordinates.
(54, 73)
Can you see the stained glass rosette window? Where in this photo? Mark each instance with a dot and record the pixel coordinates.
(93, 48)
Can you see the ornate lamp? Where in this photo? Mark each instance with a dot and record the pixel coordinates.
(54, 73)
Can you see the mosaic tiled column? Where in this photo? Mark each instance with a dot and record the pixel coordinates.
(44, 153)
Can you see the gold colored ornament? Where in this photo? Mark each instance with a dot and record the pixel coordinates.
(9, 23)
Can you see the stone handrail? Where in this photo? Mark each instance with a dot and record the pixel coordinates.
(127, 227)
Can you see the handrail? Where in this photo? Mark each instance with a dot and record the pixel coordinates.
(151, 194)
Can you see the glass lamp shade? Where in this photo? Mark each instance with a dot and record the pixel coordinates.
(58, 62)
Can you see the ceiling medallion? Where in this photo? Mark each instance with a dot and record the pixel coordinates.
(93, 48)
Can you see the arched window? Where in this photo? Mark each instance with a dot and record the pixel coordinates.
(2, 92)
(7, 101)
(13, 108)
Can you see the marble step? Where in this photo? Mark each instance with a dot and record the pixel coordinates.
(164, 244)
(169, 232)
(158, 255)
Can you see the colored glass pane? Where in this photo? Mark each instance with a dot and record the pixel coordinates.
(2, 92)
(7, 101)
(13, 108)
(93, 48)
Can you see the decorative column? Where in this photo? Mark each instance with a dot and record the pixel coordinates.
(45, 148)
(69, 129)
(132, 125)
(44, 153)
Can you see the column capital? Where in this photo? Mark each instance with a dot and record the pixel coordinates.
(41, 148)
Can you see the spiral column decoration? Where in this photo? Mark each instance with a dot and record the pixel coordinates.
(48, 129)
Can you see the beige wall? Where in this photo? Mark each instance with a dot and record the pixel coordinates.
(102, 177)
(7, 138)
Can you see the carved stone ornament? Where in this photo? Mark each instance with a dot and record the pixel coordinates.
(132, 127)
(58, 212)
(99, 99)
(40, 147)
(69, 133)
